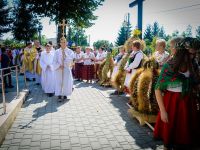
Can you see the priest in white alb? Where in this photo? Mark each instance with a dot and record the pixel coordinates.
(47, 77)
(63, 60)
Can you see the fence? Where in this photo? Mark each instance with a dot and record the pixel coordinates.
(2, 75)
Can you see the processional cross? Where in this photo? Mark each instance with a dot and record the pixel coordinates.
(140, 12)
(63, 25)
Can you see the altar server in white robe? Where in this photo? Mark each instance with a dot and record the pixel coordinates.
(47, 77)
(63, 61)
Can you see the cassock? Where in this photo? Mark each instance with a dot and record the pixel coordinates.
(63, 77)
(47, 77)
(28, 62)
(132, 65)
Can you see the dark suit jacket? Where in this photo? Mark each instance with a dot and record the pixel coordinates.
(5, 61)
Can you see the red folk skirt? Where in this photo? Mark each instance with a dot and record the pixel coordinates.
(178, 131)
(78, 70)
(88, 72)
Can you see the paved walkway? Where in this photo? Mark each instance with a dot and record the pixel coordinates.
(89, 120)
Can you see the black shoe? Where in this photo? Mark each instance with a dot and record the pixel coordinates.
(65, 97)
(59, 99)
(27, 79)
(10, 86)
(120, 93)
(50, 94)
(114, 93)
(33, 79)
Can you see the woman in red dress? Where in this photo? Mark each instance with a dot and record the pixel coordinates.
(173, 94)
(88, 65)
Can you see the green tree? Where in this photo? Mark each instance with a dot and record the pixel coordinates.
(13, 43)
(161, 33)
(76, 12)
(5, 20)
(187, 32)
(43, 39)
(148, 33)
(198, 32)
(78, 36)
(122, 35)
(175, 33)
(25, 25)
(155, 29)
(101, 43)
(153, 45)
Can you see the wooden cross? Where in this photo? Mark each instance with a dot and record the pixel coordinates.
(140, 12)
(63, 25)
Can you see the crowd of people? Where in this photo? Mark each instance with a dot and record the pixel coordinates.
(176, 88)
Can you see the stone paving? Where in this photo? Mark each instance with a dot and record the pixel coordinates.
(89, 120)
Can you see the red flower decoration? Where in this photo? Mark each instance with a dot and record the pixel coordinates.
(173, 79)
(162, 80)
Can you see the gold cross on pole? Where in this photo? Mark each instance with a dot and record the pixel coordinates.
(63, 25)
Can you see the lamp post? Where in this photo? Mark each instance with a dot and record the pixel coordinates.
(39, 31)
(126, 24)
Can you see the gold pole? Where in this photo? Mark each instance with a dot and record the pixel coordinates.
(63, 25)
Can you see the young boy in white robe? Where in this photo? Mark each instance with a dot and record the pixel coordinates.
(47, 77)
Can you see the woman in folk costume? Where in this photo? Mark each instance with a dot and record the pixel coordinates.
(161, 55)
(78, 63)
(88, 65)
(134, 62)
(47, 76)
(193, 46)
(117, 61)
(37, 67)
(175, 123)
(101, 56)
(172, 45)
(62, 63)
(117, 64)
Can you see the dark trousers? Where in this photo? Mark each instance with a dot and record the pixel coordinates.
(8, 76)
